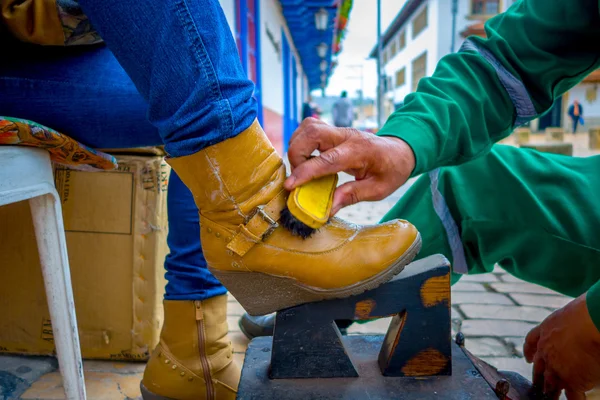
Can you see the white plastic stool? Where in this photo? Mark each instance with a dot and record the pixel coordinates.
(26, 174)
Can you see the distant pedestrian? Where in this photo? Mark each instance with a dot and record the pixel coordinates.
(343, 112)
(307, 108)
(576, 114)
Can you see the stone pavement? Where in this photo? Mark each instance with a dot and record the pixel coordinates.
(495, 311)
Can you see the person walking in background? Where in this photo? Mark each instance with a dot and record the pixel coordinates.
(576, 114)
(342, 112)
(307, 108)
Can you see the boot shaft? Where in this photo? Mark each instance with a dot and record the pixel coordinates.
(185, 319)
(230, 179)
(194, 359)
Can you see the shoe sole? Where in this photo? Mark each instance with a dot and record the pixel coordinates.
(148, 395)
(262, 294)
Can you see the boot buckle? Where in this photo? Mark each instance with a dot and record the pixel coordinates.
(260, 210)
(260, 224)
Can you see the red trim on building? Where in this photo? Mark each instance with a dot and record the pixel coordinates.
(476, 29)
(594, 77)
(273, 126)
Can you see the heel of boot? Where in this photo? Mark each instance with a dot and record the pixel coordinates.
(148, 395)
(262, 294)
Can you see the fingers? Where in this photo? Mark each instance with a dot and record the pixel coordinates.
(329, 162)
(531, 341)
(312, 135)
(552, 385)
(353, 192)
(539, 368)
(544, 379)
(345, 195)
(574, 395)
(310, 121)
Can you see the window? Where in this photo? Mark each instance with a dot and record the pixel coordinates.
(419, 69)
(402, 40)
(400, 77)
(384, 59)
(420, 22)
(485, 7)
(393, 49)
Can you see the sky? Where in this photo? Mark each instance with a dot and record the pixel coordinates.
(361, 37)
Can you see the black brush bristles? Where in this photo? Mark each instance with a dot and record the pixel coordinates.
(292, 224)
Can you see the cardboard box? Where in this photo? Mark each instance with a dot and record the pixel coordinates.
(565, 149)
(555, 134)
(594, 138)
(116, 228)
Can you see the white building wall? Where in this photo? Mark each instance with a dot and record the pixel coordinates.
(433, 22)
(444, 24)
(299, 70)
(299, 91)
(228, 7)
(506, 5)
(426, 40)
(272, 23)
(436, 39)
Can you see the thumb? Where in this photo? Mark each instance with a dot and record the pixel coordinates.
(329, 162)
(574, 395)
(531, 341)
(350, 193)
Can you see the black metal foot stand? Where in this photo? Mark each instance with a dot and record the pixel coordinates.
(416, 359)
(307, 343)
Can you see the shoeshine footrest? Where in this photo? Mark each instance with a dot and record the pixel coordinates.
(308, 358)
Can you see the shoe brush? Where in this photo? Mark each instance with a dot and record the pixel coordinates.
(308, 206)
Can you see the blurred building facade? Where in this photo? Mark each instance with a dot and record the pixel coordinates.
(286, 48)
(423, 32)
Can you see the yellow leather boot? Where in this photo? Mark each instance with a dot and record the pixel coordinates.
(238, 187)
(194, 358)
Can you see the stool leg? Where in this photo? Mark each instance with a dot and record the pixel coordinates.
(50, 236)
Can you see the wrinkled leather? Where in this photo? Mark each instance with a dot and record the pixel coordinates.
(230, 179)
(180, 347)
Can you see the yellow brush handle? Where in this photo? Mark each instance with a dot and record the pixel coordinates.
(311, 203)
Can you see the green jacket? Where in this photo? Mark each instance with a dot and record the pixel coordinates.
(534, 53)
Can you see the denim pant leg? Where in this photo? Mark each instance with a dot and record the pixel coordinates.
(182, 57)
(187, 273)
(85, 93)
(80, 91)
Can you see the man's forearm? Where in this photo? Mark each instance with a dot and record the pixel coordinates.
(534, 52)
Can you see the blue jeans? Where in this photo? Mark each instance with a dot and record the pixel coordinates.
(182, 57)
(178, 81)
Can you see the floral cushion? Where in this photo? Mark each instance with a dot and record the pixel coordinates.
(63, 149)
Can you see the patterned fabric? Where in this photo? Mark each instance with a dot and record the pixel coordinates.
(63, 150)
(76, 25)
(47, 22)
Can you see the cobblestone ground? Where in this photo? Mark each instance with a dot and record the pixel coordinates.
(494, 311)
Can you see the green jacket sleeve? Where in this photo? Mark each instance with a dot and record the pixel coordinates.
(592, 299)
(534, 53)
